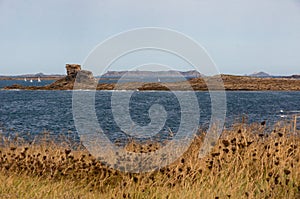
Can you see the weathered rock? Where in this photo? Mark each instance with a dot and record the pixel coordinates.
(72, 70)
(85, 80)
(14, 86)
(83, 77)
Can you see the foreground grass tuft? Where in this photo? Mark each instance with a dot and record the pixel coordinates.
(248, 161)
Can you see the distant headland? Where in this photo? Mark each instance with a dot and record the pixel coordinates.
(255, 82)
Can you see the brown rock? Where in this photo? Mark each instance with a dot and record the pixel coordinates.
(72, 70)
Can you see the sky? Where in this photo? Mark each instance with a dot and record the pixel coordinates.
(240, 36)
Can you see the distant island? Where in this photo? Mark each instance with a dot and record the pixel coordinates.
(42, 76)
(260, 74)
(266, 75)
(256, 82)
(170, 73)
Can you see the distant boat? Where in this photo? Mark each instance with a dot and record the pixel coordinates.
(25, 79)
(158, 79)
(31, 81)
(39, 80)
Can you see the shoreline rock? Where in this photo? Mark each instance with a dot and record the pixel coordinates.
(74, 73)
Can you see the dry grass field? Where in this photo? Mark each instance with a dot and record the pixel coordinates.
(248, 161)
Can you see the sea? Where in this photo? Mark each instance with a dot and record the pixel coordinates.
(33, 114)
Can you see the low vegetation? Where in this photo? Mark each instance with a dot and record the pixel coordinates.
(248, 161)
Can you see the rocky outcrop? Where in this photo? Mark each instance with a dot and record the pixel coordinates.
(72, 70)
(83, 78)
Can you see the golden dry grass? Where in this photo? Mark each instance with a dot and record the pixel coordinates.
(248, 161)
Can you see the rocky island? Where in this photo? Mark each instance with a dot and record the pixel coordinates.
(85, 80)
(64, 83)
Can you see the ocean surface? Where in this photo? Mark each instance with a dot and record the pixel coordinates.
(33, 113)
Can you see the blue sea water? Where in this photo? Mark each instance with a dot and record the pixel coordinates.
(31, 113)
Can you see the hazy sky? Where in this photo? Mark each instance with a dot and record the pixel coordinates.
(241, 36)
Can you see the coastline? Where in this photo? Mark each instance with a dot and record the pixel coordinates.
(76, 78)
(31, 77)
(231, 83)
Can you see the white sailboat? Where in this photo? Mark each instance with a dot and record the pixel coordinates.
(39, 80)
(25, 80)
(31, 80)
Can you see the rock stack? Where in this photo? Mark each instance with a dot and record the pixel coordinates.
(84, 78)
(72, 70)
